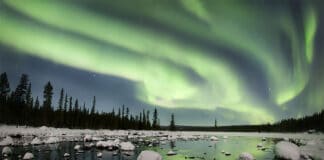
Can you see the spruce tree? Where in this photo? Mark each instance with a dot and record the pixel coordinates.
(155, 119)
(172, 123)
(4, 88)
(21, 90)
(47, 104)
(93, 109)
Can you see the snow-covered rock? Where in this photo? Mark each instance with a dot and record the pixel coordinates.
(7, 141)
(87, 138)
(149, 155)
(51, 140)
(77, 147)
(6, 151)
(28, 155)
(287, 150)
(246, 156)
(36, 141)
(213, 138)
(99, 154)
(127, 146)
(171, 153)
(66, 155)
(313, 150)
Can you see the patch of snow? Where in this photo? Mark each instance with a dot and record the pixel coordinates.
(7, 141)
(149, 155)
(287, 150)
(51, 140)
(127, 146)
(246, 156)
(28, 156)
(36, 141)
(313, 149)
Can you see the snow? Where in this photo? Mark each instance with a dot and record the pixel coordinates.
(28, 155)
(287, 150)
(246, 156)
(149, 155)
(51, 140)
(36, 141)
(6, 151)
(7, 141)
(106, 144)
(127, 146)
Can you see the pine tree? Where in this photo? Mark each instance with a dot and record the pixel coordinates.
(172, 123)
(29, 96)
(155, 119)
(215, 124)
(21, 90)
(60, 104)
(4, 88)
(148, 123)
(93, 109)
(47, 104)
(36, 106)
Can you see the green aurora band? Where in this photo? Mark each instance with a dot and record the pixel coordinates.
(161, 64)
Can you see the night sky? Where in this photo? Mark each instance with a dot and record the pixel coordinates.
(242, 62)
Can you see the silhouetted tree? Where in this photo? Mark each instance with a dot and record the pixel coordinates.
(172, 123)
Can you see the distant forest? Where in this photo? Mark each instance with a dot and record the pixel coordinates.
(18, 107)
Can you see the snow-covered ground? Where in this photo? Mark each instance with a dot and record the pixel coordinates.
(311, 145)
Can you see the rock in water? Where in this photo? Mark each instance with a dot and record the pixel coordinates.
(99, 154)
(66, 155)
(149, 155)
(287, 150)
(77, 147)
(171, 153)
(28, 155)
(6, 151)
(246, 156)
(213, 138)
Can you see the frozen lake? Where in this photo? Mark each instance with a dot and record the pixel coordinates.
(197, 149)
(187, 145)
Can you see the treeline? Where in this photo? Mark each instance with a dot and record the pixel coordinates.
(19, 107)
(307, 123)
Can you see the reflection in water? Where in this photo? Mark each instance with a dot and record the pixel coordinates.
(198, 148)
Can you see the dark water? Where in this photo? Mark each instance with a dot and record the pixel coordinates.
(200, 149)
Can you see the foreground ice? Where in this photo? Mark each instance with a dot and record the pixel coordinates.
(6, 151)
(287, 150)
(149, 155)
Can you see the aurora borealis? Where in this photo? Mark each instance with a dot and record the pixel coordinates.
(252, 61)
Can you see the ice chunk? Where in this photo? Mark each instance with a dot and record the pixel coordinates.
(246, 156)
(149, 155)
(87, 138)
(287, 150)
